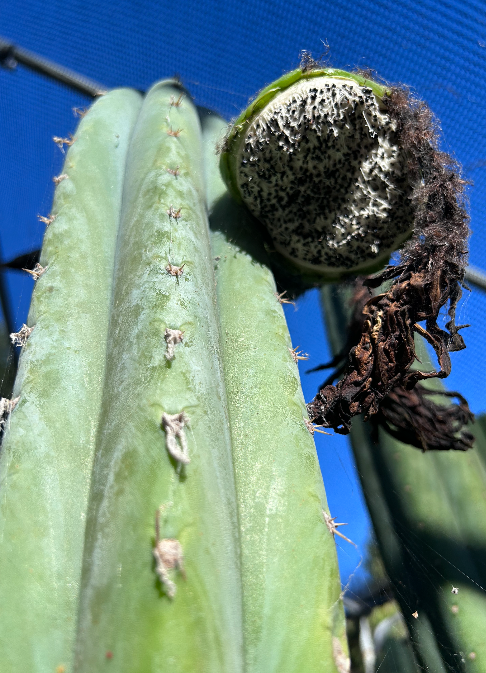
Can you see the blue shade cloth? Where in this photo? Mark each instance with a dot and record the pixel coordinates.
(224, 53)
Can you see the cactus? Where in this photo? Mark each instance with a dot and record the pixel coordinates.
(206, 546)
(280, 492)
(47, 453)
(390, 639)
(158, 375)
(428, 514)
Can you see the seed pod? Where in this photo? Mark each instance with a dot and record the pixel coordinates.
(316, 159)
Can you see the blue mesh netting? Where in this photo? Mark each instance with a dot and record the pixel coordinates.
(224, 53)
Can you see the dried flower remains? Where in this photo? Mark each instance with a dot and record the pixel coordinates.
(412, 415)
(428, 277)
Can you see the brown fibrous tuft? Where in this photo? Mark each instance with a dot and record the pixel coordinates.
(308, 62)
(412, 416)
(428, 277)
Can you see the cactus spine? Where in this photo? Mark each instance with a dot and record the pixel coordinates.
(46, 457)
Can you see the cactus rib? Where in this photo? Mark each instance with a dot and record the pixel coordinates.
(47, 452)
(137, 607)
(289, 565)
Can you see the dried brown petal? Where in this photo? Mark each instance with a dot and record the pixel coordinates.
(413, 418)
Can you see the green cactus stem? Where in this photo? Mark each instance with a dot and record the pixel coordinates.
(163, 593)
(292, 608)
(429, 514)
(172, 394)
(391, 642)
(316, 159)
(47, 453)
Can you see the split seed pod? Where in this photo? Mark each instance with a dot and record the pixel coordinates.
(316, 159)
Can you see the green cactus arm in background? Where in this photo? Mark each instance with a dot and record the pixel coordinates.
(391, 642)
(292, 608)
(163, 280)
(429, 516)
(46, 455)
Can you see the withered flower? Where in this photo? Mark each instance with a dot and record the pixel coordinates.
(428, 277)
(342, 171)
(414, 416)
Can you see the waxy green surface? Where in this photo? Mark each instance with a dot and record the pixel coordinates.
(124, 609)
(292, 608)
(261, 590)
(47, 453)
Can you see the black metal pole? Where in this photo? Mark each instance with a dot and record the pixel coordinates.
(11, 55)
(476, 277)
